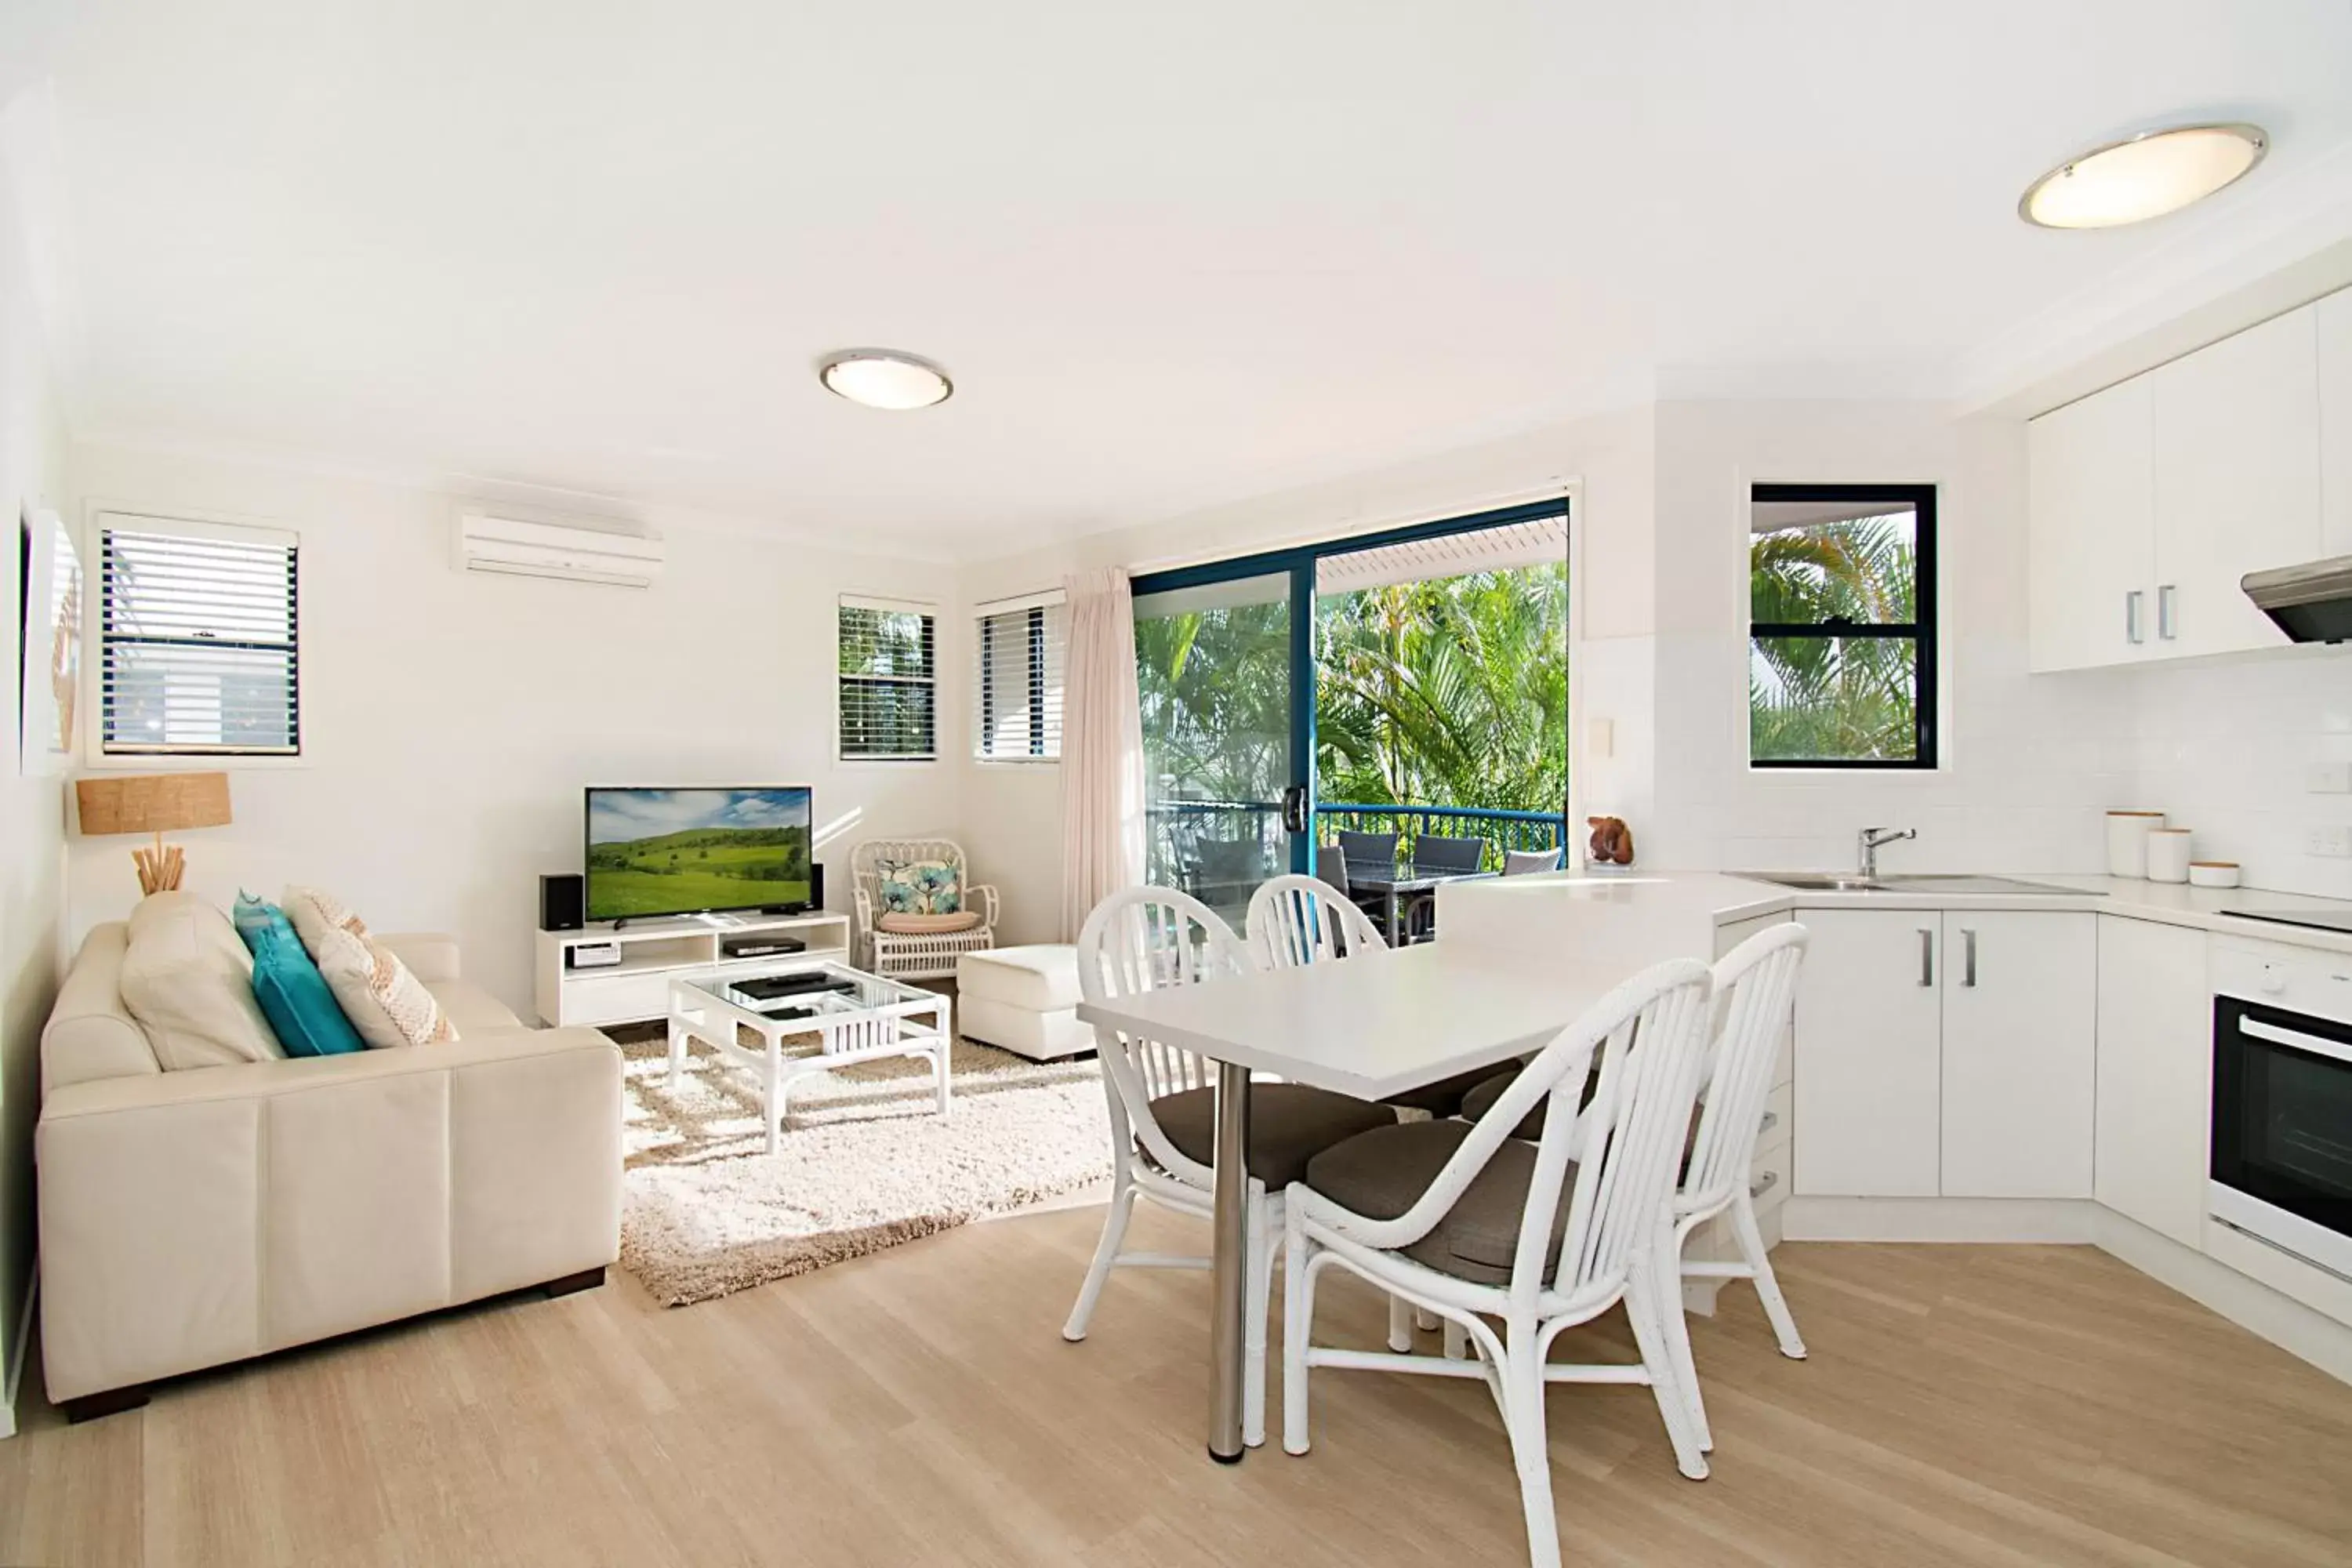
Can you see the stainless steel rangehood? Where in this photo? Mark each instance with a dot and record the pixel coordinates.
(2310, 603)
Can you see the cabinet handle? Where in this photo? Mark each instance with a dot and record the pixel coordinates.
(1927, 956)
(1763, 1183)
(1968, 960)
(1771, 1120)
(2164, 597)
(2131, 616)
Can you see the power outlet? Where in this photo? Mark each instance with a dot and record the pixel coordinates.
(2334, 842)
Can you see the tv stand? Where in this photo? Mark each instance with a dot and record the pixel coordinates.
(653, 949)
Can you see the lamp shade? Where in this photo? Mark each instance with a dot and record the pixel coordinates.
(151, 802)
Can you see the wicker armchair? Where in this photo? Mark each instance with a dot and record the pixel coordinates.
(903, 956)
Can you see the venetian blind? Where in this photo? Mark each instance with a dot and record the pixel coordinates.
(889, 709)
(1021, 649)
(198, 646)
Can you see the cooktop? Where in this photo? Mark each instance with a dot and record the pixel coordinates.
(2322, 920)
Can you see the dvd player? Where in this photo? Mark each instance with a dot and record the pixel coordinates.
(775, 987)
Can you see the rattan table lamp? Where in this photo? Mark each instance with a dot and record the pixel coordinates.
(156, 804)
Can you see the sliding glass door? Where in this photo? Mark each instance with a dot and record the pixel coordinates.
(1215, 669)
(1419, 675)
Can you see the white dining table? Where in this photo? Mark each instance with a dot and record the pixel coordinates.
(1371, 1026)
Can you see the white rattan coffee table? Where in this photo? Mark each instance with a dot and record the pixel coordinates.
(857, 1018)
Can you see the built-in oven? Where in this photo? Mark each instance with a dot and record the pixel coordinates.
(2282, 1148)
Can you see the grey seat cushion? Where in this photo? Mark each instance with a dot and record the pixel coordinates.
(1381, 1173)
(1290, 1123)
(1443, 1098)
(1480, 1100)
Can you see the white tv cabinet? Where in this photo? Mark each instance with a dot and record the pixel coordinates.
(636, 989)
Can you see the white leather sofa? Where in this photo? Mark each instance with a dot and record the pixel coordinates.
(197, 1217)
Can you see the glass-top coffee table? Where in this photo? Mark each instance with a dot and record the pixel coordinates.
(856, 1017)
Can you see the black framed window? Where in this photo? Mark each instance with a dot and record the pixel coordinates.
(1842, 626)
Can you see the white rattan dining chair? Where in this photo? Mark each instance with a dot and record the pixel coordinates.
(1163, 1109)
(1518, 1233)
(1755, 997)
(1294, 919)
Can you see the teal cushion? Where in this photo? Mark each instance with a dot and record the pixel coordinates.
(920, 888)
(293, 994)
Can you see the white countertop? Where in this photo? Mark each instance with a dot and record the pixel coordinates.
(1676, 910)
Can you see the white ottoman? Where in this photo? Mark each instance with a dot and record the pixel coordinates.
(1023, 999)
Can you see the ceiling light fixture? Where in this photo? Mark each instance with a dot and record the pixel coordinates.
(2142, 176)
(885, 378)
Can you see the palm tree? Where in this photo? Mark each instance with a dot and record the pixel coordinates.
(1822, 698)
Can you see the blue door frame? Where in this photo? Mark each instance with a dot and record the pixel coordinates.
(1299, 561)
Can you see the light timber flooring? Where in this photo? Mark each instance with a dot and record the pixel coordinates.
(2004, 1406)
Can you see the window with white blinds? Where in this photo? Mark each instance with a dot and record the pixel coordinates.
(1017, 678)
(198, 639)
(889, 680)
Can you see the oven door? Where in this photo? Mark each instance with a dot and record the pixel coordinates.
(2281, 1159)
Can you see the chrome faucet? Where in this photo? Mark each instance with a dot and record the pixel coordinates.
(1867, 841)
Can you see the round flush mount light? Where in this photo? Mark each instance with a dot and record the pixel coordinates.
(2144, 176)
(885, 378)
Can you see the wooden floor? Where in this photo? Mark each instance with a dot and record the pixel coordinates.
(1963, 1405)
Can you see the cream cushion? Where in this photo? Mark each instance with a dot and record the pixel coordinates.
(313, 912)
(1043, 978)
(902, 924)
(188, 979)
(387, 1004)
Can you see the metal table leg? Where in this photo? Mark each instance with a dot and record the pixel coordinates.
(1229, 1274)
(1389, 929)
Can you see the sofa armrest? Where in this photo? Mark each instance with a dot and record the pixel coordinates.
(192, 1219)
(431, 956)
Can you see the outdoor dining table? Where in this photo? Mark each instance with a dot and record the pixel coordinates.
(1372, 1025)
(1394, 884)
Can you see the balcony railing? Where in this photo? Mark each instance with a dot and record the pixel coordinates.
(1185, 835)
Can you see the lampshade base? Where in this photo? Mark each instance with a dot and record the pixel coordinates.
(159, 869)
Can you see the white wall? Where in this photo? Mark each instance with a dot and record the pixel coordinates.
(1014, 809)
(32, 813)
(451, 719)
(2223, 749)
(2029, 764)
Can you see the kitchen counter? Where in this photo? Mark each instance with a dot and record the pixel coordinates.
(1626, 915)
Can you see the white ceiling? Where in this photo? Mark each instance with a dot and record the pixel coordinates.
(1172, 256)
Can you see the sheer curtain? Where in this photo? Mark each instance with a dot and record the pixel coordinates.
(1102, 747)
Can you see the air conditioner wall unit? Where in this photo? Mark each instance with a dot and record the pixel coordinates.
(520, 549)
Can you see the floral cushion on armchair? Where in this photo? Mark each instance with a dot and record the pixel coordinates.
(920, 888)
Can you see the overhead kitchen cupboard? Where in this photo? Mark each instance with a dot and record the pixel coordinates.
(2147, 501)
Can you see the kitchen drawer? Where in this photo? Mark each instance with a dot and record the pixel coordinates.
(1779, 1113)
(1784, 1060)
(1768, 1178)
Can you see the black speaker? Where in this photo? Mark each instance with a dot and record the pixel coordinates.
(563, 902)
(816, 898)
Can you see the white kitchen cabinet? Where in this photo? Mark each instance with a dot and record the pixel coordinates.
(2019, 1056)
(1868, 1053)
(1912, 1081)
(2091, 566)
(2237, 481)
(2335, 321)
(2155, 1075)
(2148, 500)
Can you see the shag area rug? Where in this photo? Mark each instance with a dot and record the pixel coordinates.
(866, 1162)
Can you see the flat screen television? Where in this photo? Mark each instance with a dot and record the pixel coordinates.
(692, 851)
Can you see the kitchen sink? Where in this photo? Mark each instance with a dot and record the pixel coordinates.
(1895, 882)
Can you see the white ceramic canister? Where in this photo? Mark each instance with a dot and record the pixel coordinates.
(2168, 854)
(2127, 834)
(2213, 873)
